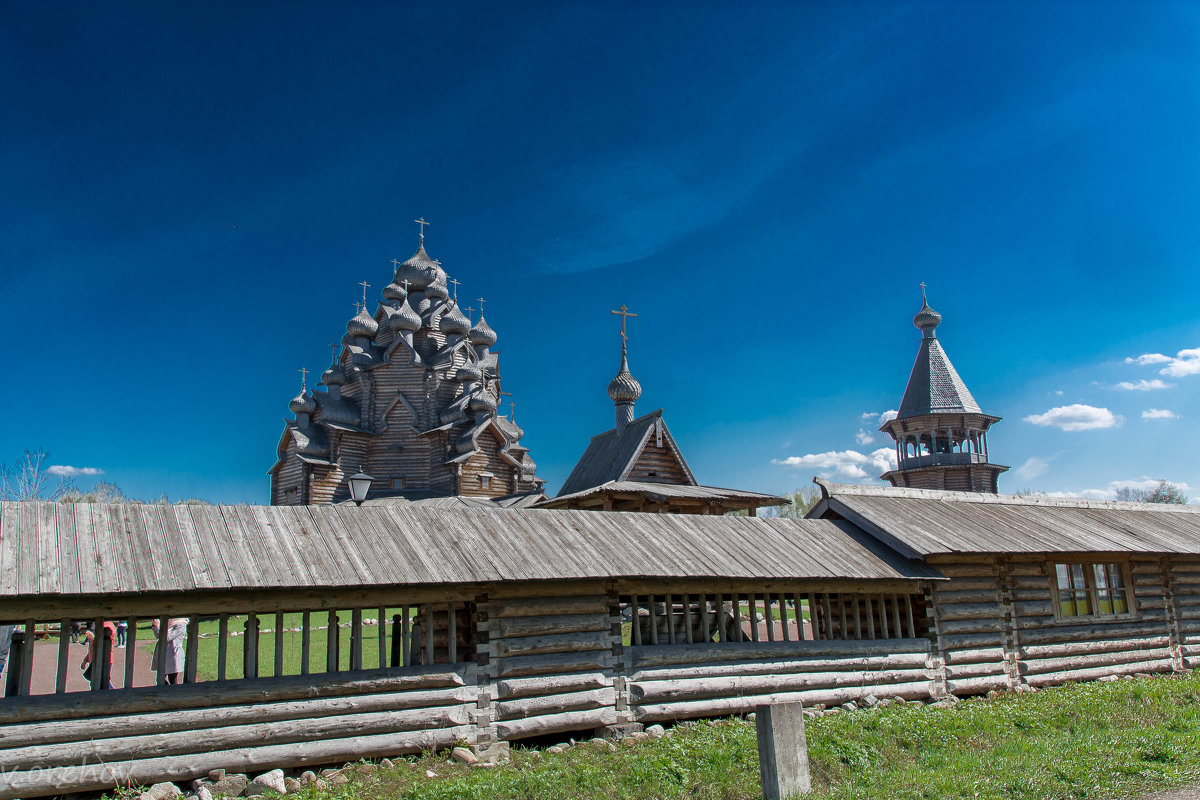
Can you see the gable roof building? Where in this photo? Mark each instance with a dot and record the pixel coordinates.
(412, 400)
(637, 466)
(940, 431)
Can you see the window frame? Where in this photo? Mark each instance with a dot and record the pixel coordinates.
(1090, 589)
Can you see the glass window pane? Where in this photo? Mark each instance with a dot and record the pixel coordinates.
(1104, 602)
(1120, 603)
(1115, 578)
(1083, 604)
(1077, 576)
(1100, 576)
(1064, 577)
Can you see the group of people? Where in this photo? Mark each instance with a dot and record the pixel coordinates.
(82, 633)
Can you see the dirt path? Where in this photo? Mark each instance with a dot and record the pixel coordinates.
(45, 667)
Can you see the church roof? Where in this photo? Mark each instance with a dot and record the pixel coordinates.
(666, 492)
(611, 455)
(934, 386)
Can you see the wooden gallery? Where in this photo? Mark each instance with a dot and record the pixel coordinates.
(459, 602)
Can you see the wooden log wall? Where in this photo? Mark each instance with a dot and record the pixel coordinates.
(1184, 587)
(551, 663)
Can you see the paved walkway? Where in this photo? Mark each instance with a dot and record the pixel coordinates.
(45, 667)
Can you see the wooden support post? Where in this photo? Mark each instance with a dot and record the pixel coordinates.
(896, 616)
(64, 653)
(768, 602)
(705, 619)
(635, 621)
(398, 638)
(355, 639)
(722, 630)
(429, 657)
(406, 634)
(333, 640)
(687, 618)
(842, 610)
(381, 623)
(222, 645)
(782, 750)
(783, 620)
(278, 670)
(191, 654)
(452, 632)
(653, 622)
(912, 628)
(160, 652)
(883, 617)
(870, 617)
(26, 662)
(828, 616)
(857, 619)
(670, 612)
(250, 648)
(739, 634)
(305, 642)
(130, 651)
(753, 606)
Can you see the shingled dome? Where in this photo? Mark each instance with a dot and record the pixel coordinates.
(362, 324)
(419, 271)
(303, 403)
(933, 385)
(482, 333)
(624, 388)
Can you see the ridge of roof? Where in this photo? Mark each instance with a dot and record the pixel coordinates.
(831, 490)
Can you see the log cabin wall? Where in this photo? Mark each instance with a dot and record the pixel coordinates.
(1184, 586)
(971, 624)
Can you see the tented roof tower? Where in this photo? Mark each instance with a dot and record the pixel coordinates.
(940, 431)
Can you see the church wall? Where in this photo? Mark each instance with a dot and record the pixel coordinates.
(661, 462)
(290, 475)
(488, 459)
(1184, 586)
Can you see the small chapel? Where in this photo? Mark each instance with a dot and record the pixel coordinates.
(412, 400)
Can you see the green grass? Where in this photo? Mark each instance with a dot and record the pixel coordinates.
(1098, 740)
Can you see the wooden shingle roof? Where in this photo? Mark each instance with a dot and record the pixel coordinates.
(926, 522)
(66, 549)
(611, 455)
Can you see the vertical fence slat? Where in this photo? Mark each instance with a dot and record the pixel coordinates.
(250, 648)
(406, 632)
(738, 634)
(278, 670)
(653, 620)
(381, 623)
(452, 626)
(222, 645)
(130, 650)
(883, 617)
(768, 602)
(896, 616)
(305, 642)
(687, 618)
(912, 628)
(160, 652)
(753, 611)
(635, 621)
(332, 640)
(429, 657)
(64, 654)
(705, 619)
(191, 655)
(355, 638)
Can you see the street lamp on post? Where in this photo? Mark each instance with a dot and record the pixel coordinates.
(360, 484)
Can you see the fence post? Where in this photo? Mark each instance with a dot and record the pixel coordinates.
(782, 750)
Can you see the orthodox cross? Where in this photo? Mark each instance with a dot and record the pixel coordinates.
(923, 300)
(471, 315)
(365, 286)
(422, 223)
(333, 352)
(481, 302)
(456, 283)
(395, 264)
(303, 379)
(624, 314)
(404, 283)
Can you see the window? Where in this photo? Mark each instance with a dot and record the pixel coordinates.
(1092, 590)
(398, 483)
(485, 481)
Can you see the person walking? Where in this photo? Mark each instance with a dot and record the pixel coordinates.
(172, 665)
(122, 626)
(6, 632)
(93, 655)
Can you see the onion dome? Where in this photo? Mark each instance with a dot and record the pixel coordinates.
(624, 388)
(303, 403)
(405, 319)
(334, 376)
(926, 319)
(455, 322)
(467, 373)
(437, 288)
(482, 333)
(394, 293)
(362, 324)
(420, 270)
(482, 403)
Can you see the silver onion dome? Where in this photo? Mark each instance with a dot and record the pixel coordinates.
(405, 319)
(303, 403)
(394, 293)
(482, 333)
(468, 373)
(927, 319)
(481, 403)
(362, 324)
(624, 388)
(334, 376)
(419, 271)
(455, 322)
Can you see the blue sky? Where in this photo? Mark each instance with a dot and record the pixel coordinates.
(192, 194)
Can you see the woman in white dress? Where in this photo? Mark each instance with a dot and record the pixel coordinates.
(173, 663)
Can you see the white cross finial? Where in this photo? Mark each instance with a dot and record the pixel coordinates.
(624, 314)
(471, 315)
(422, 223)
(481, 302)
(365, 286)
(456, 283)
(404, 283)
(303, 379)
(333, 352)
(924, 302)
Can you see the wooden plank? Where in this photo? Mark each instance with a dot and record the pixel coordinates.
(306, 642)
(278, 666)
(64, 644)
(222, 646)
(130, 650)
(332, 644)
(160, 650)
(687, 618)
(49, 580)
(453, 632)
(250, 647)
(635, 620)
(191, 653)
(381, 623)
(356, 635)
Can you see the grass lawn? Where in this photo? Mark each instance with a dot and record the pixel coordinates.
(1097, 740)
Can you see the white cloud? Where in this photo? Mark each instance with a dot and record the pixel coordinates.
(844, 464)
(1185, 362)
(1110, 493)
(1144, 385)
(72, 472)
(863, 437)
(1059, 392)
(1076, 417)
(879, 417)
(1032, 468)
(1159, 413)
(1149, 358)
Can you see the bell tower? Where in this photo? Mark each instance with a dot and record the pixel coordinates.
(940, 431)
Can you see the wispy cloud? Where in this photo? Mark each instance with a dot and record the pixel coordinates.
(845, 463)
(67, 471)
(878, 417)
(1076, 417)
(1159, 413)
(864, 437)
(1185, 362)
(1032, 468)
(1143, 385)
(1110, 492)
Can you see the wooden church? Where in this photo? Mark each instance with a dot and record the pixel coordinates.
(637, 466)
(412, 401)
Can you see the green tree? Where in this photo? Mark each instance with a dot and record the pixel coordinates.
(1161, 492)
(800, 502)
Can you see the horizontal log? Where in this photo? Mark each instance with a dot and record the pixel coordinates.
(1087, 647)
(62, 780)
(968, 641)
(561, 623)
(1051, 678)
(202, 740)
(39, 733)
(548, 606)
(739, 685)
(917, 661)
(663, 655)
(556, 643)
(555, 703)
(518, 666)
(1033, 609)
(962, 611)
(976, 656)
(1067, 632)
(964, 671)
(513, 688)
(1090, 661)
(1033, 595)
(973, 686)
(948, 596)
(90, 705)
(724, 706)
(556, 723)
(969, 625)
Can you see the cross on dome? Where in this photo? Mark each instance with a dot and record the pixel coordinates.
(624, 314)
(422, 223)
(456, 284)
(303, 379)
(365, 286)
